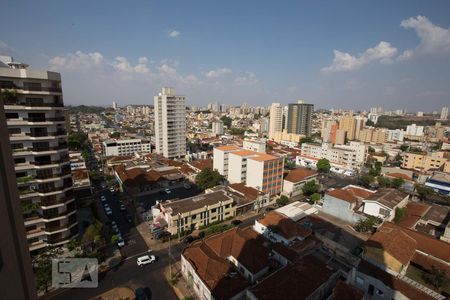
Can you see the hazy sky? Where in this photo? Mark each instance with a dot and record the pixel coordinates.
(346, 54)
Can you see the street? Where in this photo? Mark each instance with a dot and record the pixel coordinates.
(150, 277)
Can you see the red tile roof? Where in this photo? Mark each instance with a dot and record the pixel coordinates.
(300, 174)
(345, 291)
(414, 211)
(247, 191)
(287, 228)
(399, 175)
(343, 195)
(202, 164)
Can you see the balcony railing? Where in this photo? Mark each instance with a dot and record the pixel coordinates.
(33, 104)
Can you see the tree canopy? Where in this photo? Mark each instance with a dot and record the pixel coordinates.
(283, 200)
(310, 187)
(77, 140)
(323, 165)
(208, 178)
(226, 121)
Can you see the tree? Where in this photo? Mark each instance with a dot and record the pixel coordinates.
(404, 147)
(310, 187)
(283, 200)
(237, 131)
(289, 165)
(397, 183)
(42, 266)
(208, 178)
(370, 123)
(226, 121)
(383, 181)
(315, 197)
(436, 277)
(365, 225)
(367, 179)
(115, 135)
(323, 165)
(77, 140)
(424, 191)
(371, 150)
(306, 139)
(400, 214)
(114, 239)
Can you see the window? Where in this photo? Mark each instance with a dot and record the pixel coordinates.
(12, 116)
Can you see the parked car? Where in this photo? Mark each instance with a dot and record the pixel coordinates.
(161, 234)
(120, 242)
(112, 190)
(108, 211)
(146, 259)
(236, 222)
(167, 191)
(122, 207)
(115, 228)
(102, 198)
(188, 239)
(187, 185)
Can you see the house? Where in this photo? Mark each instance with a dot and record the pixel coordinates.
(247, 198)
(200, 165)
(294, 181)
(135, 181)
(383, 203)
(408, 184)
(308, 278)
(345, 203)
(281, 229)
(223, 266)
(297, 210)
(434, 221)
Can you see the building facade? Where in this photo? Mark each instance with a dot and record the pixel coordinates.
(34, 111)
(123, 147)
(170, 123)
(276, 119)
(299, 118)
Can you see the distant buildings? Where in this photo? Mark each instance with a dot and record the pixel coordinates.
(296, 179)
(413, 129)
(217, 127)
(114, 105)
(444, 113)
(255, 145)
(36, 122)
(299, 118)
(424, 161)
(276, 119)
(170, 123)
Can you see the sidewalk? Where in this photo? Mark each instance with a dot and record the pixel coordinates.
(181, 286)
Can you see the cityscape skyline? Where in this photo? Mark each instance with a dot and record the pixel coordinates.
(327, 59)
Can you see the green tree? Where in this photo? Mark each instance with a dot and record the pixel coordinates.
(310, 187)
(283, 200)
(436, 277)
(237, 131)
(208, 178)
(371, 150)
(365, 225)
(114, 239)
(424, 191)
(289, 165)
(400, 214)
(226, 121)
(115, 135)
(383, 181)
(370, 123)
(42, 266)
(77, 140)
(323, 165)
(315, 197)
(306, 139)
(367, 179)
(404, 147)
(397, 183)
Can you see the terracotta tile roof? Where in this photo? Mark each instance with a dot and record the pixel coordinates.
(287, 228)
(248, 191)
(393, 282)
(343, 195)
(228, 148)
(295, 281)
(119, 158)
(244, 153)
(388, 197)
(388, 236)
(285, 251)
(137, 176)
(400, 176)
(264, 157)
(80, 174)
(395, 242)
(185, 169)
(358, 192)
(345, 291)
(202, 164)
(414, 212)
(299, 174)
(428, 263)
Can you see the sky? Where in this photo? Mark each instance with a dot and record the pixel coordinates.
(334, 54)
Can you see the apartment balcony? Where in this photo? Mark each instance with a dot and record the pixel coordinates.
(35, 233)
(32, 219)
(37, 245)
(19, 104)
(47, 203)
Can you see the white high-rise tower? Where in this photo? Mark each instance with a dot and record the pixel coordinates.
(276, 119)
(170, 123)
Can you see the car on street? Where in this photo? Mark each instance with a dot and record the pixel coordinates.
(146, 259)
(102, 198)
(187, 185)
(108, 211)
(122, 207)
(166, 191)
(115, 228)
(112, 190)
(120, 242)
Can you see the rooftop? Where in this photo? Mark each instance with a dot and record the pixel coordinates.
(414, 212)
(247, 191)
(297, 210)
(387, 197)
(442, 177)
(264, 157)
(300, 174)
(196, 202)
(285, 226)
(228, 148)
(245, 153)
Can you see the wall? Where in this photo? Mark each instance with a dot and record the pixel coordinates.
(340, 209)
(192, 278)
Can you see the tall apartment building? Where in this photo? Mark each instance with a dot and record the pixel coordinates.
(170, 123)
(340, 137)
(350, 156)
(254, 145)
(276, 119)
(261, 171)
(371, 135)
(444, 113)
(299, 118)
(34, 110)
(123, 147)
(16, 273)
(217, 127)
(413, 129)
(348, 123)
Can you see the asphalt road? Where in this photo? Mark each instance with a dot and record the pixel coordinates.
(150, 277)
(175, 193)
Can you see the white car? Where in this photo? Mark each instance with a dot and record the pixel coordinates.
(146, 259)
(115, 228)
(120, 243)
(112, 190)
(103, 198)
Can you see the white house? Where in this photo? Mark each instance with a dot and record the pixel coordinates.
(383, 203)
(294, 181)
